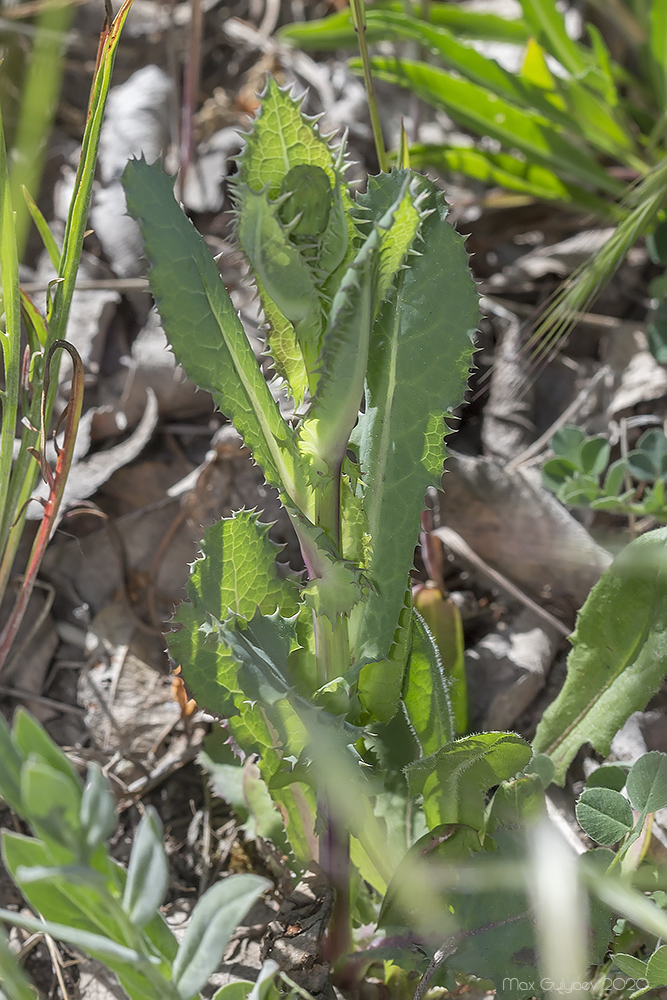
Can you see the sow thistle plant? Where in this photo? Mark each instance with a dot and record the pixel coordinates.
(332, 679)
(361, 296)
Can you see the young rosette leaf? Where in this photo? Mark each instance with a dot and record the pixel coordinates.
(215, 918)
(296, 229)
(235, 576)
(454, 779)
(325, 430)
(419, 357)
(618, 655)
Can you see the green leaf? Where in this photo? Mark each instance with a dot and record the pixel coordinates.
(647, 782)
(202, 324)
(214, 919)
(261, 647)
(495, 932)
(148, 872)
(630, 965)
(618, 655)
(567, 443)
(400, 448)
(236, 575)
(238, 990)
(94, 944)
(15, 983)
(337, 31)
(615, 478)
(425, 693)
(424, 910)
(335, 584)
(656, 968)
(453, 780)
(605, 815)
(325, 430)
(31, 739)
(242, 786)
(52, 802)
(608, 776)
(10, 772)
(380, 684)
(548, 24)
(556, 472)
(649, 460)
(98, 808)
(594, 456)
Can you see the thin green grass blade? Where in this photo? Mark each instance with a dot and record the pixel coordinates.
(579, 110)
(548, 25)
(513, 174)
(77, 219)
(40, 90)
(489, 115)
(337, 32)
(42, 225)
(10, 341)
(25, 471)
(644, 201)
(658, 48)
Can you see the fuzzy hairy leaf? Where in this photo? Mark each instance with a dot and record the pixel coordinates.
(618, 656)
(426, 696)
(202, 325)
(454, 779)
(421, 348)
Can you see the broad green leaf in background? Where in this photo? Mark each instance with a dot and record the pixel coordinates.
(400, 447)
(618, 656)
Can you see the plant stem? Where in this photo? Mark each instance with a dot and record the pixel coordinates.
(359, 19)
